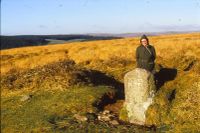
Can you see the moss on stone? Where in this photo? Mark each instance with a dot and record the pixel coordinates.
(123, 114)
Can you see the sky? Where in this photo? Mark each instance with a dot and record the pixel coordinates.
(39, 17)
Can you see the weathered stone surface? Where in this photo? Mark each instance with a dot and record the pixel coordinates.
(80, 117)
(114, 122)
(107, 116)
(139, 93)
(25, 98)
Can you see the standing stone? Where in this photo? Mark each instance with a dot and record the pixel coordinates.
(139, 93)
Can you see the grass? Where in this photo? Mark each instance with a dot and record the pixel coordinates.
(46, 109)
(180, 111)
(54, 86)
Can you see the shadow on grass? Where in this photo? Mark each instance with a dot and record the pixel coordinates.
(164, 75)
(99, 78)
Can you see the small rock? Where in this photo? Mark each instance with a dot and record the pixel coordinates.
(106, 115)
(25, 98)
(106, 118)
(106, 112)
(110, 115)
(114, 122)
(103, 118)
(80, 118)
(99, 117)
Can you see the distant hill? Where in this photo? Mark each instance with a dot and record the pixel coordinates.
(140, 33)
(8, 42)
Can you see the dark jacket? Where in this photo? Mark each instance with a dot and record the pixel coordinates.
(145, 57)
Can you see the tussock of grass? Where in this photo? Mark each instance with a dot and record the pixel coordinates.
(58, 74)
(176, 104)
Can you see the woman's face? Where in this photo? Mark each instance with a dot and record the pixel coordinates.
(144, 42)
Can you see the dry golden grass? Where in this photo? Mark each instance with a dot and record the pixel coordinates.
(167, 47)
(116, 57)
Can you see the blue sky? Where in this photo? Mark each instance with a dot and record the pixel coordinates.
(28, 17)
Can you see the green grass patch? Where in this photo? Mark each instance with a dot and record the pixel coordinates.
(49, 110)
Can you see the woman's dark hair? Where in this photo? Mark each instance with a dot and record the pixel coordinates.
(144, 37)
